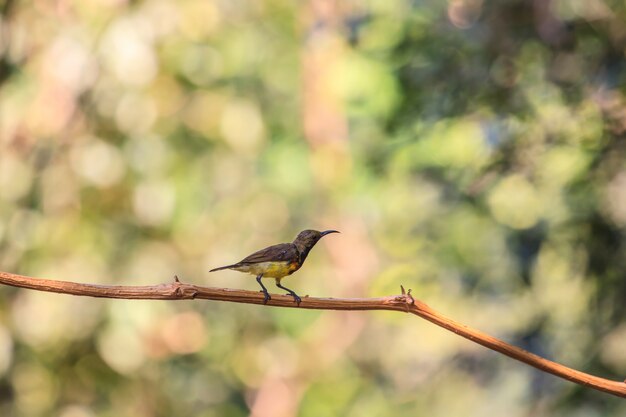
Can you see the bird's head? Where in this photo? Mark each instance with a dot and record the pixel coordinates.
(306, 239)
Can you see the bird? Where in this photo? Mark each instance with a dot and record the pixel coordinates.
(279, 261)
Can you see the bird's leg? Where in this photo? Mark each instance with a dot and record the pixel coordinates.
(264, 290)
(295, 296)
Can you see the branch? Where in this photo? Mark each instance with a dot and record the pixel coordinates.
(404, 303)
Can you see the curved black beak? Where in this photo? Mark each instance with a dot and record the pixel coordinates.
(327, 232)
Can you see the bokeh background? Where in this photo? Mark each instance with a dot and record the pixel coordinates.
(471, 150)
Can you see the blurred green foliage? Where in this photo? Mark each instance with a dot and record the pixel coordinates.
(470, 150)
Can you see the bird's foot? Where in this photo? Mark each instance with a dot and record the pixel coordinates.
(296, 298)
(267, 296)
(292, 293)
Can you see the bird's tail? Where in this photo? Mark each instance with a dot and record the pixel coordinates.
(223, 267)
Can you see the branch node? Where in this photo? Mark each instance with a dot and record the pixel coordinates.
(406, 298)
(410, 297)
(178, 292)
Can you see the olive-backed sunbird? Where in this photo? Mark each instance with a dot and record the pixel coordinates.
(278, 261)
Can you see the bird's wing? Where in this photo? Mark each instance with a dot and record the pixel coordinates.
(275, 253)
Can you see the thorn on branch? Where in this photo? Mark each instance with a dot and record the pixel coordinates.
(406, 297)
(183, 291)
(407, 294)
(176, 278)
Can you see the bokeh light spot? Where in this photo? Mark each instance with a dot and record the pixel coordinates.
(127, 50)
(97, 162)
(153, 202)
(6, 349)
(242, 126)
(185, 333)
(514, 202)
(15, 176)
(121, 348)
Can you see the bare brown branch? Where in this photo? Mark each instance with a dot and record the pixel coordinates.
(177, 290)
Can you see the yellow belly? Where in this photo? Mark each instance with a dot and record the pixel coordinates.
(268, 269)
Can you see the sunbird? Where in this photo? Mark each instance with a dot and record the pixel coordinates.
(278, 261)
